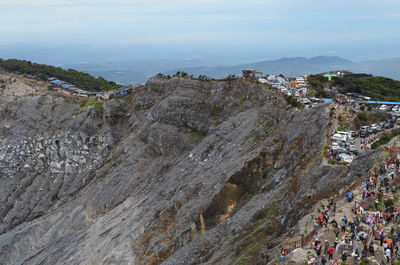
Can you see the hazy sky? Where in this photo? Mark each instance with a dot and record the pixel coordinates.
(302, 27)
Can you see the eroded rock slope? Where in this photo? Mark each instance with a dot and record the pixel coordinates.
(179, 172)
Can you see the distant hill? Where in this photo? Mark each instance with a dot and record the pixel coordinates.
(302, 66)
(139, 71)
(286, 66)
(79, 79)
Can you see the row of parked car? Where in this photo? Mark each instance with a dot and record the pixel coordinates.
(342, 147)
(343, 142)
(392, 109)
(365, 131)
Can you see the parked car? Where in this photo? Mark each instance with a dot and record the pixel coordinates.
(337, 137)
(383, 107)
(395, 108)
(374, 128)
(346, 158)
(389, 108)
(355, 134)
(346, 134)
(387, 125)
(364, 131)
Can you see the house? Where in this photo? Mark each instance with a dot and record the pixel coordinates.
(66, 85)
(121, 92)
(56, 82)
(249, 73)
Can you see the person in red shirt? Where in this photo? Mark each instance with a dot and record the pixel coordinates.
(331, 250)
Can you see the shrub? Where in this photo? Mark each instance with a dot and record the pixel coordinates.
(362, 116)
(292, 101)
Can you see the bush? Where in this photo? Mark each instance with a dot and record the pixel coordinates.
(388, 203)
(362, 116)
(385, 138)
(292, 101)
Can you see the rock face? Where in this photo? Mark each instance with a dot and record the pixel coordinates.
(179, 172)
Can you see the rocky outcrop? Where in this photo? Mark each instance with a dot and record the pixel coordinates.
(179, 172)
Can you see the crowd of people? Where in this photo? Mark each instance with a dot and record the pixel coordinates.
(371, 229)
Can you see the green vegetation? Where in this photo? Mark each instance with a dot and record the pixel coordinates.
(79, 79)
(362, 116)
(318, 84)
(292, 101)
(248, 253)
(389, 203)
(271, 212)
(376, 87)
(90, 102)
(385, 138)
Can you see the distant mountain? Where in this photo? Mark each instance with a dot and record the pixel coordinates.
(303, 66)
(139, 71)
(286, 66)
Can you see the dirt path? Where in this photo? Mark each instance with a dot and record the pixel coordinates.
(344, 208)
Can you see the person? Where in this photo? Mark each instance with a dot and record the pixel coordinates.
(344, 256)
(336, 231)
(388, 254)
(364, 193)
(326, 247)
(352, 226)
(323, 260)
(389, 242)
(318, 250)
(357, 223)
(344, 223)
(372, 249)
(336, 242)
(381, 238)
(356, 256)
(349, 196)
(331, 250)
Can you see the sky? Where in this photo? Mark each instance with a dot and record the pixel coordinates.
(355, 29)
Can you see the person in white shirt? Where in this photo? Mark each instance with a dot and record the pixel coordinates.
(388, 254)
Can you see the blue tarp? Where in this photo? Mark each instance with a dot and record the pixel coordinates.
(327, 100)
(55, 81)
(383, 102)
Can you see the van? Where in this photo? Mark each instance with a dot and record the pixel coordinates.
(339, 137)
(347, 135)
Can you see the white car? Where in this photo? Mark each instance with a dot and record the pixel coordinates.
(395, 108)
(383, 107)
(347, 135)
(346, 158)
(339, 137)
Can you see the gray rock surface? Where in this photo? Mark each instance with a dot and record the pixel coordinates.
(179, 172)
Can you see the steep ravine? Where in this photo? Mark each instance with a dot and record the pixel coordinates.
(179, 172)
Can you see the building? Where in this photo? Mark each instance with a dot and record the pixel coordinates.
(329, 76)
(249, 73)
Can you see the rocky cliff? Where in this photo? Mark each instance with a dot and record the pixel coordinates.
(178, 172)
